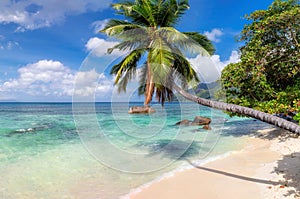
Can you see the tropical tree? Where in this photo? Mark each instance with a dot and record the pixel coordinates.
(268, 76)
(148, 32)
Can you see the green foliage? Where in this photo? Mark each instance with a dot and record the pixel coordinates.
(268, 76)
(297, 117)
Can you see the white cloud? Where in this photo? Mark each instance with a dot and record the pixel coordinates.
(209, 68)
(33, 14)
(214, 35)
(47, 78)
(234, 58)
(99, 25)
(90, 82)
(99, 47)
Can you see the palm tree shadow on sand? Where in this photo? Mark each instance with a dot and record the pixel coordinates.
(289, 168)
(232, 175)
(172, 151)
(178, 150)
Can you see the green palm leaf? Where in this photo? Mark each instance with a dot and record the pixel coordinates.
(202, 40)
(128, 64)
(115, 27)
(184, 42)
(128, 76)
(171, 12)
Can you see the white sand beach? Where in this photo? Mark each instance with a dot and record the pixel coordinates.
(267, 168)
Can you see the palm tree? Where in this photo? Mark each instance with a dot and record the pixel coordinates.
(148, 32)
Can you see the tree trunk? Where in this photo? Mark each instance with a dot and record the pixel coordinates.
(149, 91)
(249, 112)
(149, 86)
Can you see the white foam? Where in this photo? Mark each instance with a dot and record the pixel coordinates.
(21, 130)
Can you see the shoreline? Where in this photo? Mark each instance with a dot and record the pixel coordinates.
(170, 174)
(249, 173)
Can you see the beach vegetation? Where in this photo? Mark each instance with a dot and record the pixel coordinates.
(268, 76)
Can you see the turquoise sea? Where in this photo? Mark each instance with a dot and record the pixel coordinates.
(98, 150)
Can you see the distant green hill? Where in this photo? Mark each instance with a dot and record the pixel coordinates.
(204, 90)
(207, 90)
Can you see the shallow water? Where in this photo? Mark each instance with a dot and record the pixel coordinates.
(43, 154)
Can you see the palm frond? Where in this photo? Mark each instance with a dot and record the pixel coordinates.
(127, 64)
(131, 39)
(165, 92)
(115, 27)
(161, 59)
(182, 41)
(128, 76)
(142, 80)
(202, 40)
(123, 46)
(185, 71)
(124, 7)
(144, 8)
(136, 34)
(171, 11)
(138, 11)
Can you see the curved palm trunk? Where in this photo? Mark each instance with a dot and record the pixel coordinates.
(265, 117)
(149, 91)
(149, 86)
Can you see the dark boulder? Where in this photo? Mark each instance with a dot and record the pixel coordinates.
(184, 122)
(198, 120)
(206, 127)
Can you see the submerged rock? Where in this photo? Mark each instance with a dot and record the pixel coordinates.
(183, 122)
(23, 130)
(206, 127)
(198, 121)
(141, 110)
(32, 129)
(20, 131)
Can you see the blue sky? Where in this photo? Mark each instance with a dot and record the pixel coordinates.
(43, 43)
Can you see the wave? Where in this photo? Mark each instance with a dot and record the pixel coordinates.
(33, 129)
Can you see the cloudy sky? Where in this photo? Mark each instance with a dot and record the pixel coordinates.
(43, 43)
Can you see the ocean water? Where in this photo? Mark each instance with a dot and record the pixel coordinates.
(62, 150)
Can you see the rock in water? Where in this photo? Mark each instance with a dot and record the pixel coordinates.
(183, 122)
(198, 120)
(206, 127)
(141, 110)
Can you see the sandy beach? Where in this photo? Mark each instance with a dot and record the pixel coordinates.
(267, 168)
